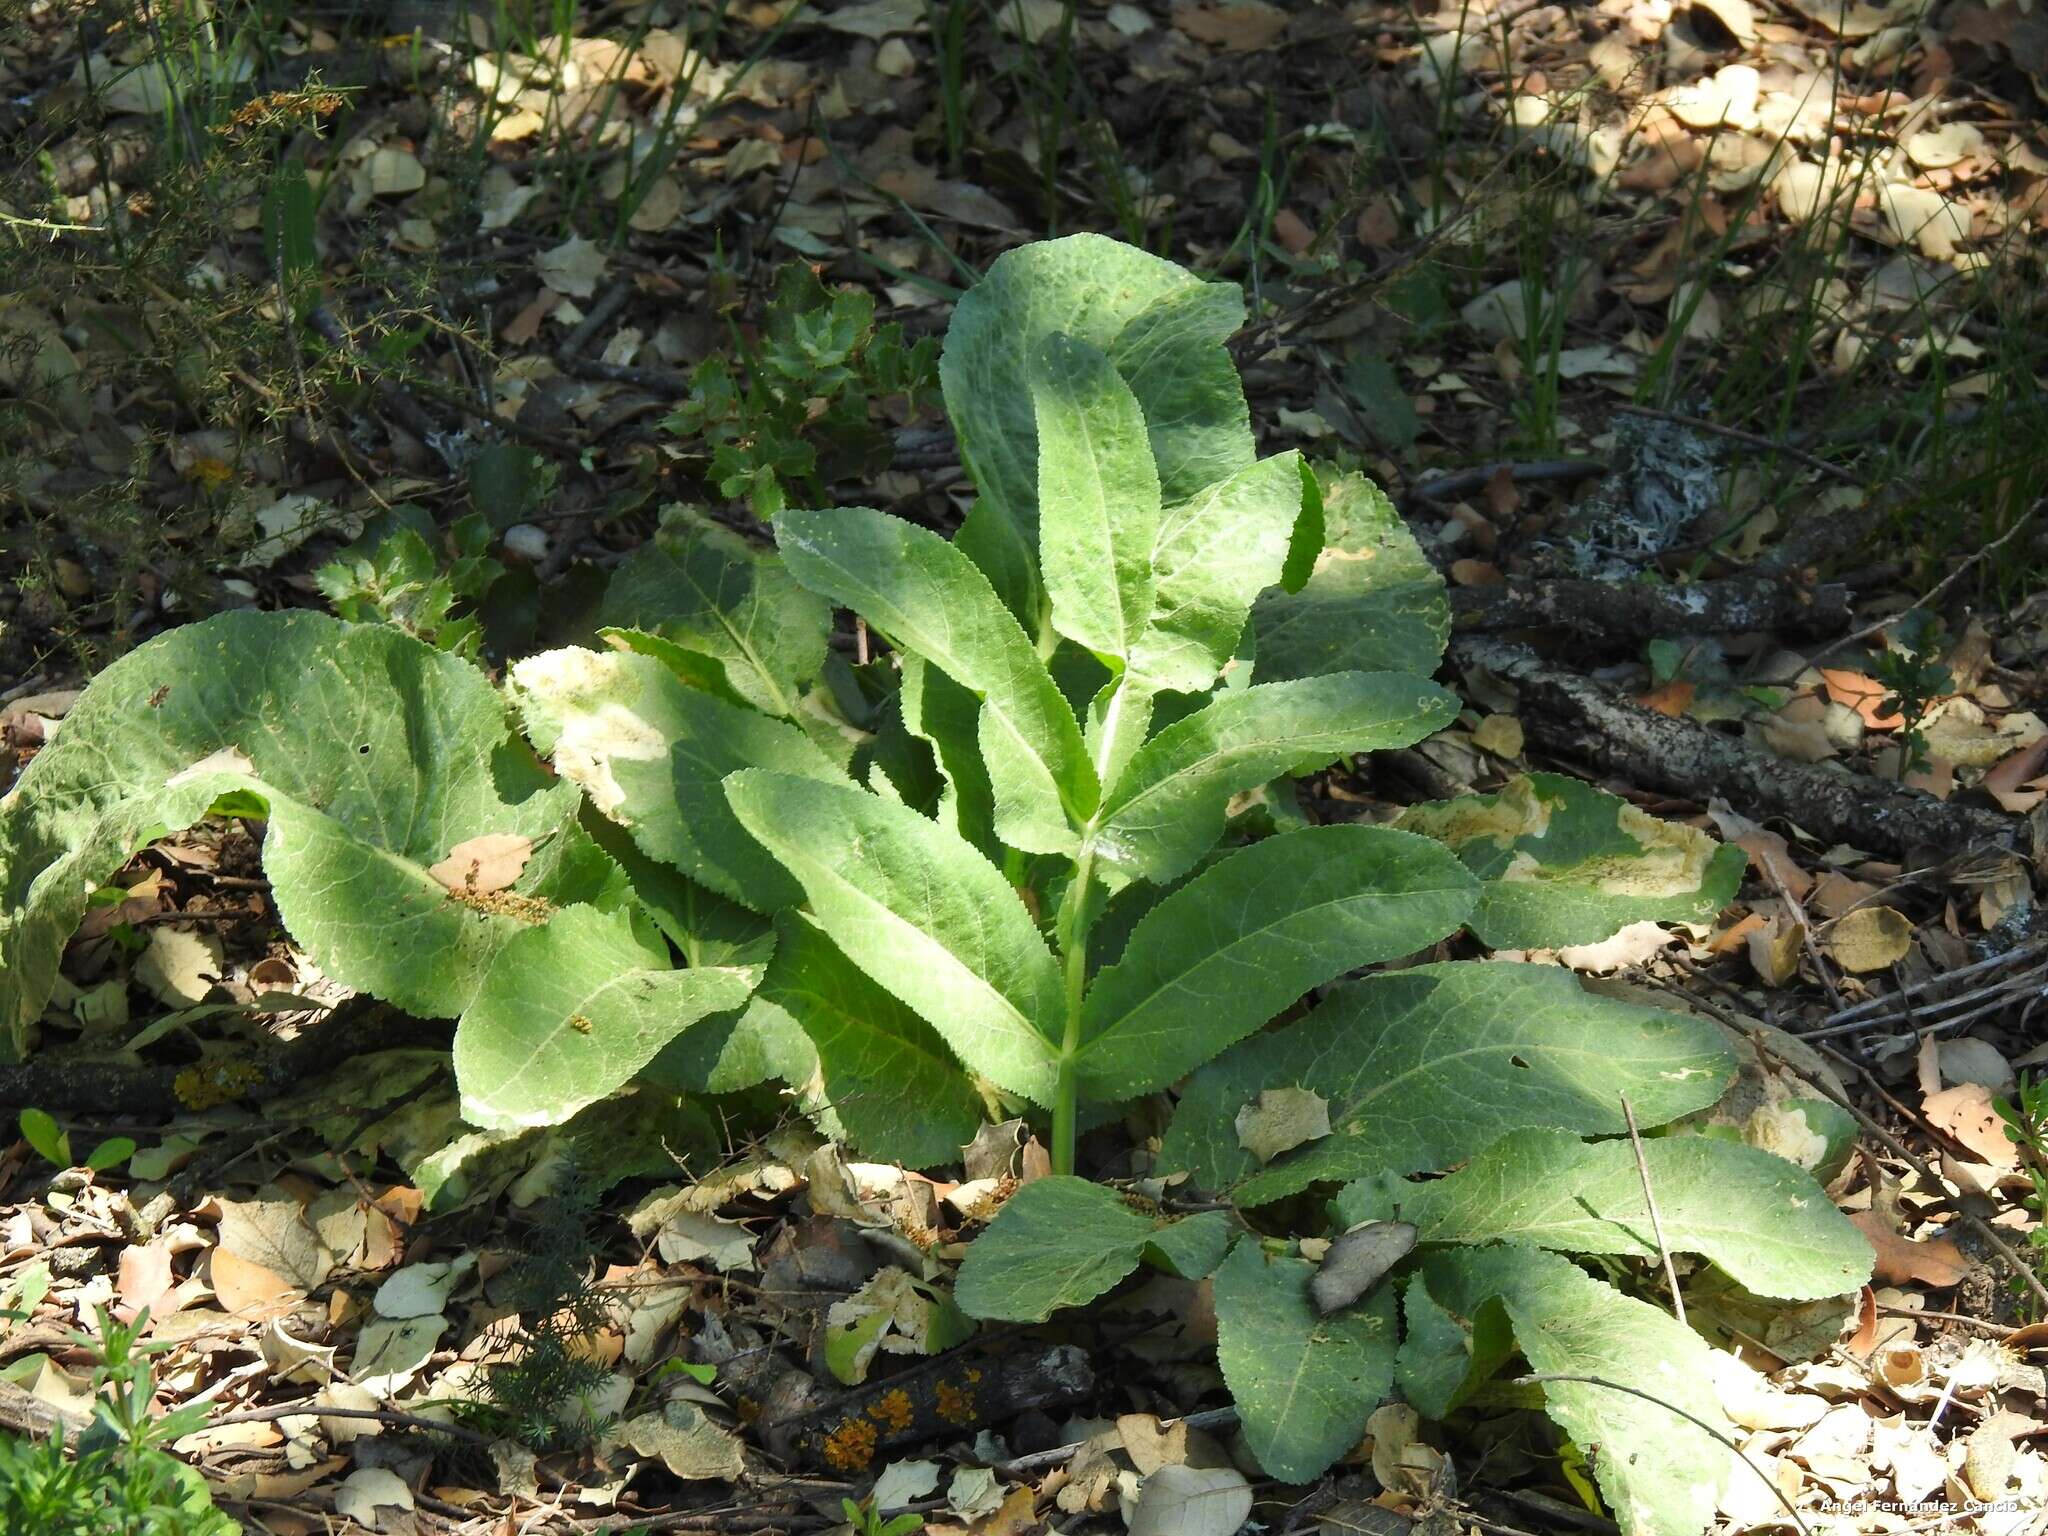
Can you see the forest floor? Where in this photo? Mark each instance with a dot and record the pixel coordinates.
(1701, 346)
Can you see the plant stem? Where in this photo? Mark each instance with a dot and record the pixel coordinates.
(1074, 922)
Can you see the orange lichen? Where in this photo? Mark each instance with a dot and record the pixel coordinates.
(956, 1405)
(211, 1084)
(892, 1410)
(851, 1446)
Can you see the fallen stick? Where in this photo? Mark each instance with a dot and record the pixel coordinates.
(1636, 609)
(77, 1082)
(1573, 715)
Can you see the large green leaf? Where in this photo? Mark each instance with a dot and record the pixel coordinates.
(1424, 1067)
(946, 716)
(929, 598)
(653, 754)
(1373, 604)
(1660, 1474)
(882, 1078)
(1565, 863)
(708, 590)
(1214, 554)
(1172, 352)
(1062, 1241)
(1304, 1384)
(1231, 948)
(1164, 329)
(1760, 1218)
(569, 1012)
(1100, 495)
(922, 913)
(376, 754)
(1167, 808)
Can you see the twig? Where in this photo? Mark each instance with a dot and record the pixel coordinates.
(1798, 910)
(1878, 626)
(1998, 1330)
(1060, 1455)
(1635, 1139)
(660, 381)
(396, 397)
(1462, 482)
(609, 303)
(1542, 1378)
(1988, 999)
(1928, 984)
(1738, 434)
(325, 1411)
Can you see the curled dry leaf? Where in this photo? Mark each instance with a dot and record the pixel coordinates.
(1774, 951)
(2020, 781)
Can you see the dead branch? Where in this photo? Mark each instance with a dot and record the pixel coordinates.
(1634, 609)
(1575, 716)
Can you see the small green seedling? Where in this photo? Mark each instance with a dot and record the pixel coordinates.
(794, 412)
(866, 1520)
(53, 1144)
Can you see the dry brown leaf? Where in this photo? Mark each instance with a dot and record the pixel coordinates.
(1965, 1113)
(1243, 28)
(246, 1289)
(1501, 735)
(1293, 232)
(1865, 695)
(1673, 699)
(1281, 1119)
(1769, 854)
(1015, 1516)
(1835, 893)
(144, 1275)
(1864, 1339)
(484, 864)
(1901, 1261)
(1869, 939)
(1476, 573)
(1151, 1446)
(2019, 782)
(1735, 935)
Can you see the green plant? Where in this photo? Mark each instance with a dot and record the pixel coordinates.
(1040, 850)
(1093, 613)
(395, 576)
(795, 411)
(542, 1398)
(2026, 1127)
(867, 1520)
(1912, 679)
(118, 1478)
(53, 1144)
